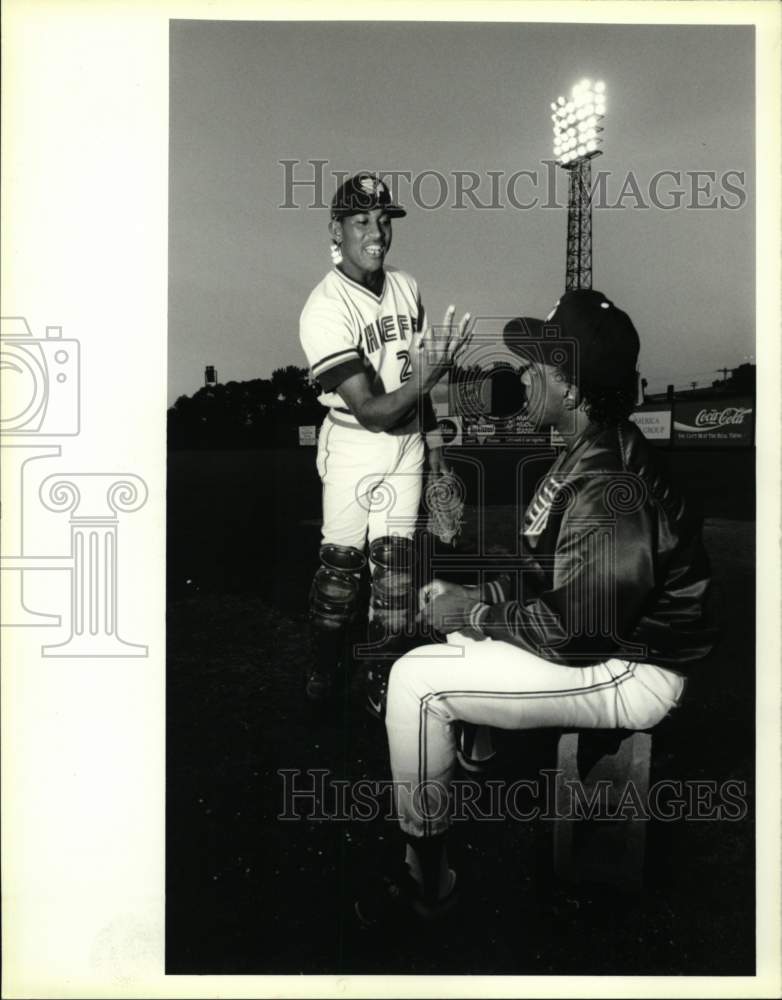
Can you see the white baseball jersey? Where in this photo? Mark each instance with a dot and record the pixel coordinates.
(345, 329)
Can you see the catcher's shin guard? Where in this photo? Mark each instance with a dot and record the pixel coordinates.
(334, 589)
(392, 597)
(332, 605)
(391, 613)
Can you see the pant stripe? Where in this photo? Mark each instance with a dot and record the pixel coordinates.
(422, 762)
(423, 716)
(326, 451)
(556, 693)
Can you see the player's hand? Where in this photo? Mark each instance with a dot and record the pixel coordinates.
(428, 592)
(439, 347)
(445, 606)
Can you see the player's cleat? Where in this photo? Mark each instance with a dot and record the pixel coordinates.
(475, 765)
(474, 752)
(377, 691)
(392, 899)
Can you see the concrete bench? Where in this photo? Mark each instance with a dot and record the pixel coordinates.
(597, 766)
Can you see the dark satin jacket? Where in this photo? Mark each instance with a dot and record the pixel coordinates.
(611, 562)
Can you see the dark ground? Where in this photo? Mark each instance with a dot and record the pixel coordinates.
(248, 893)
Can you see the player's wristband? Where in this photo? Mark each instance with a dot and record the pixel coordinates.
(477, 617)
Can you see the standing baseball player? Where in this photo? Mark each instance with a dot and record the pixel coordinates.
(599, 623)
(369, 347)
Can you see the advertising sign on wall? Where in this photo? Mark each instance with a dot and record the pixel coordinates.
(308, 435)
(655, 424)
(451, 430)
(715, 423)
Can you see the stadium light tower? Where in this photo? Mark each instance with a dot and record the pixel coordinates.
(577, 139)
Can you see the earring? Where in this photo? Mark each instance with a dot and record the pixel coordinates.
(336, 252)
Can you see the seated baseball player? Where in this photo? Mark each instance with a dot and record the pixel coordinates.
(600, 622)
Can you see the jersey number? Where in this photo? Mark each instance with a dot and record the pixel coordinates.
(406, 373)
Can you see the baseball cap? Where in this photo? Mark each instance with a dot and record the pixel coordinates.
(534, 340)
(361, 193)
(607, 341)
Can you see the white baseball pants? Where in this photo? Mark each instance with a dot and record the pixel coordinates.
(371, 483)
(494, 683)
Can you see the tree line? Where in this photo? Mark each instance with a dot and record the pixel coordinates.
(257, 413)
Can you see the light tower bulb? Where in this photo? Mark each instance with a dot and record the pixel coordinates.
(577, 121)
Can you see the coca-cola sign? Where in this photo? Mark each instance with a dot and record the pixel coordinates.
(714, 422)
(709, 418)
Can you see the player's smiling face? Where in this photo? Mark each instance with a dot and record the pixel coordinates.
(365, 241)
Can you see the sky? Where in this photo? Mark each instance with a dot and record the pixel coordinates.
(396, 96)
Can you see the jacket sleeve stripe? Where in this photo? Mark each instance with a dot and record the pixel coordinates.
(477, 616)
(496, 595)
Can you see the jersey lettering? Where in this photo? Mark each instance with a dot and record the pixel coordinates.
(386, 325)
(370, 340)
(386, 329)
(537, 515)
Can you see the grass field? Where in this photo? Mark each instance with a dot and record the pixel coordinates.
(249, 893)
